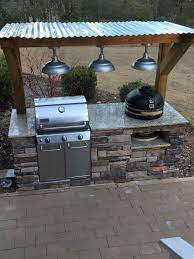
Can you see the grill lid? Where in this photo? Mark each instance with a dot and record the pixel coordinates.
(60, 114)
(59, 100)
(144, 103)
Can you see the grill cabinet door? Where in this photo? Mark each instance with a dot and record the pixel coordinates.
(51, 162)
(77, 159)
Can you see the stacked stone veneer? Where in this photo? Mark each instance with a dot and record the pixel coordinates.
(25, 161)
(115, 156)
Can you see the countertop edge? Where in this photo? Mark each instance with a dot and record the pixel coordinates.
(27, 122)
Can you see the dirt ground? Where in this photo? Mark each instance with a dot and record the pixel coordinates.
(180, 84)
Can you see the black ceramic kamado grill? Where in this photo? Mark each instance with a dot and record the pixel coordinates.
(144, 103)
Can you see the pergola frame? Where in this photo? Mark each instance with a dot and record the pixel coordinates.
(171, 48)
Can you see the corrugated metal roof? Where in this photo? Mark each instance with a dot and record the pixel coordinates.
(38, 30)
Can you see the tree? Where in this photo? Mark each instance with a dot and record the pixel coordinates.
(98, 10)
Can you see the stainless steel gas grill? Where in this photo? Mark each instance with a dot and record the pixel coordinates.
(63, 138)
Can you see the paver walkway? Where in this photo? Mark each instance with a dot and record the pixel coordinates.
(96, 222)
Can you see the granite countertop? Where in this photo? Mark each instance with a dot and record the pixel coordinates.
(112, 116)
(22, 125)
(102, 117)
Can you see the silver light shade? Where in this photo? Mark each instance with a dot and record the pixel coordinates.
(55, 66)
(101, 64)
(145, 63)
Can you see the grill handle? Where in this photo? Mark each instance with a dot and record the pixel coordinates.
(67, 127)
(78, 147)
(50, 150)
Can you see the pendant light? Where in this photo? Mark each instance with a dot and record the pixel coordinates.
(55, 66)
(145, 63)
(101, 64)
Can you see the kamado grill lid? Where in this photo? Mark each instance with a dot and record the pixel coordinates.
(144, 103)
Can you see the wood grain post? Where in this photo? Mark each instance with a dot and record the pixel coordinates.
(161, 79)
(12, 56)
(168, 57)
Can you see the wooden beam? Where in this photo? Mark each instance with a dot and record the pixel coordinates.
(161, 80)
(174, 55)
(89, 41)
(12, 56)
(168, 57)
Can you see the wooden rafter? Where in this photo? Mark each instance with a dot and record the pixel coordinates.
(168, 57)
(174, 55)
(92, 41)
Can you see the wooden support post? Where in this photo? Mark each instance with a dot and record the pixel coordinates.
(167, 59)
(161, 80)
(12, 56)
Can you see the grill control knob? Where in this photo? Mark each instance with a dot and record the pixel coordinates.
(80, 137)
(61, 109)
(64, 138)
(47, 140)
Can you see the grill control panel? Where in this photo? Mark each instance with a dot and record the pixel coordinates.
(60, 137)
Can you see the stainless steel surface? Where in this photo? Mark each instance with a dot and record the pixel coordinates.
(177, 248)
(50, 150)
(101, 64)
(59, 100)
(71, 118)
(63, 139)
(77, 159)
(55, 66)
(51, 161)
(64, 160)
(145, 63)
(38, 30)
(77, 147)
(61, 113)
(62, 128)
(71, 136)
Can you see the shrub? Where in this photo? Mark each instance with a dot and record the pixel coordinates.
(80, 80)
(5, 82)
(127, 88)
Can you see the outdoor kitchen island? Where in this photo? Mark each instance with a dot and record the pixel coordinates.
(115, 154)
(117, 150)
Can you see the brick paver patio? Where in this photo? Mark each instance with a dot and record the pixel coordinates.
(96, 222)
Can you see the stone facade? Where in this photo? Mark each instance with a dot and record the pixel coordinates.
(25, 161)
(115, 156)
